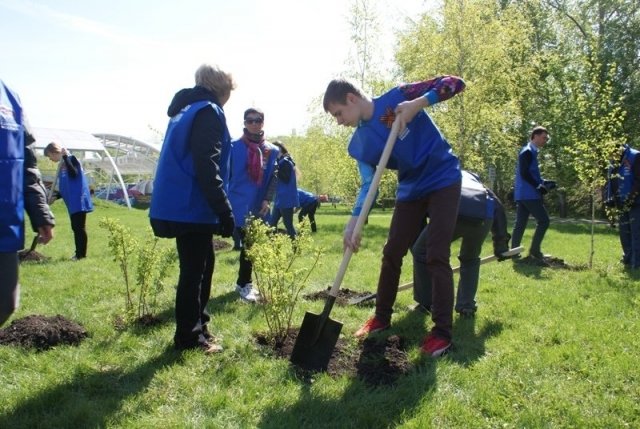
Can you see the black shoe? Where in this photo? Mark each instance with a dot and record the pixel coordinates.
(538, 255)
(537, 260)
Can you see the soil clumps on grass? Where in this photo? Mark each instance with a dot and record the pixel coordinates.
(344, 297)
(220, 244)
(32, 256)
(42, 332)
(549, 262)
(376, 361)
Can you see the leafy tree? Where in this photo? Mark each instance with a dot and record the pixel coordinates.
(598, 135)
(597, 128)
(488, 47)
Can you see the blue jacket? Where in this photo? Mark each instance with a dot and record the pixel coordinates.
(621, 179)
(526, 189)
(244, 194)
(286, 191)
(177, 196)
(11, 171)
(476, 201)
(625, 171)
(74, 190)
(424, 160)
(306, 198)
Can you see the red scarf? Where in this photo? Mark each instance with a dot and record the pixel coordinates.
(255, 152)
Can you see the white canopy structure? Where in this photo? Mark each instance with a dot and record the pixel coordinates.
(108, 153)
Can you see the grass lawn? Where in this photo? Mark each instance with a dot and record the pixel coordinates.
(549, 348)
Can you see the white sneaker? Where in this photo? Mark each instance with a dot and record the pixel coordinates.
(247, 293)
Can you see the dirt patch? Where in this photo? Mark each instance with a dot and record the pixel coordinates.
(220, 244)
(345, 296)
(377, 361)
(42, 332)
(550, 262)
(146, 321)
(33, 256)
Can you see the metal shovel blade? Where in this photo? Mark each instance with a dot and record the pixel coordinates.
(318, 335)
(315, 342)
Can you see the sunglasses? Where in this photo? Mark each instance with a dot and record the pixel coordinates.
(253, 121)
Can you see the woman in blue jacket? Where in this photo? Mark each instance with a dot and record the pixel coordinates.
(189, 201)
(74, 188)
(252, 186)
(286, 192)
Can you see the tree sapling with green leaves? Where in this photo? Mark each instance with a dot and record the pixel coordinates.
(152, 267)
(282, 267)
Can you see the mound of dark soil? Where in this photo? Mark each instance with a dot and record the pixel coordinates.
(220, 244)
(345, 296)
(549, 262)
(26, 255)
(42, 332)
(376, 361)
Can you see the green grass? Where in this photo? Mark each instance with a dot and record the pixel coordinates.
(548, 348)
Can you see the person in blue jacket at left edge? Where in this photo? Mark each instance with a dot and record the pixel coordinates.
(189, 201)
(20, 190)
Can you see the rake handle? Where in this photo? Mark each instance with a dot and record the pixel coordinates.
(511, 252)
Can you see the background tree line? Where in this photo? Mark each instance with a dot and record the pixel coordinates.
(571, 66)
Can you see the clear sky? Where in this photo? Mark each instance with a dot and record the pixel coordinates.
(113, 66)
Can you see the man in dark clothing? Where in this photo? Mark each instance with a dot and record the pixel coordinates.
(309, 203)
(479, 212)
(623, 193)
(529, 189)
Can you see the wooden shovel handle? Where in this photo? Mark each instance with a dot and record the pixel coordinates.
(364, 212)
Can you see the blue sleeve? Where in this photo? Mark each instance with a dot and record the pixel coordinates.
(366, 177)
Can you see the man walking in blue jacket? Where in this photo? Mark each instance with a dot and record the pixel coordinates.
(529, 189)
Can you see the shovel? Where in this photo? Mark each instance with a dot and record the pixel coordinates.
(508, 253)
(34, 243)
(319, 334)
(53, 184)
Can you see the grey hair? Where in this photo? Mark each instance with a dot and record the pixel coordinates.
(215, 80)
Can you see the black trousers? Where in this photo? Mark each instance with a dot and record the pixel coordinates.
(197, 261)
(78, 222)
(9, 287)
(309, 210)
(245, 271)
